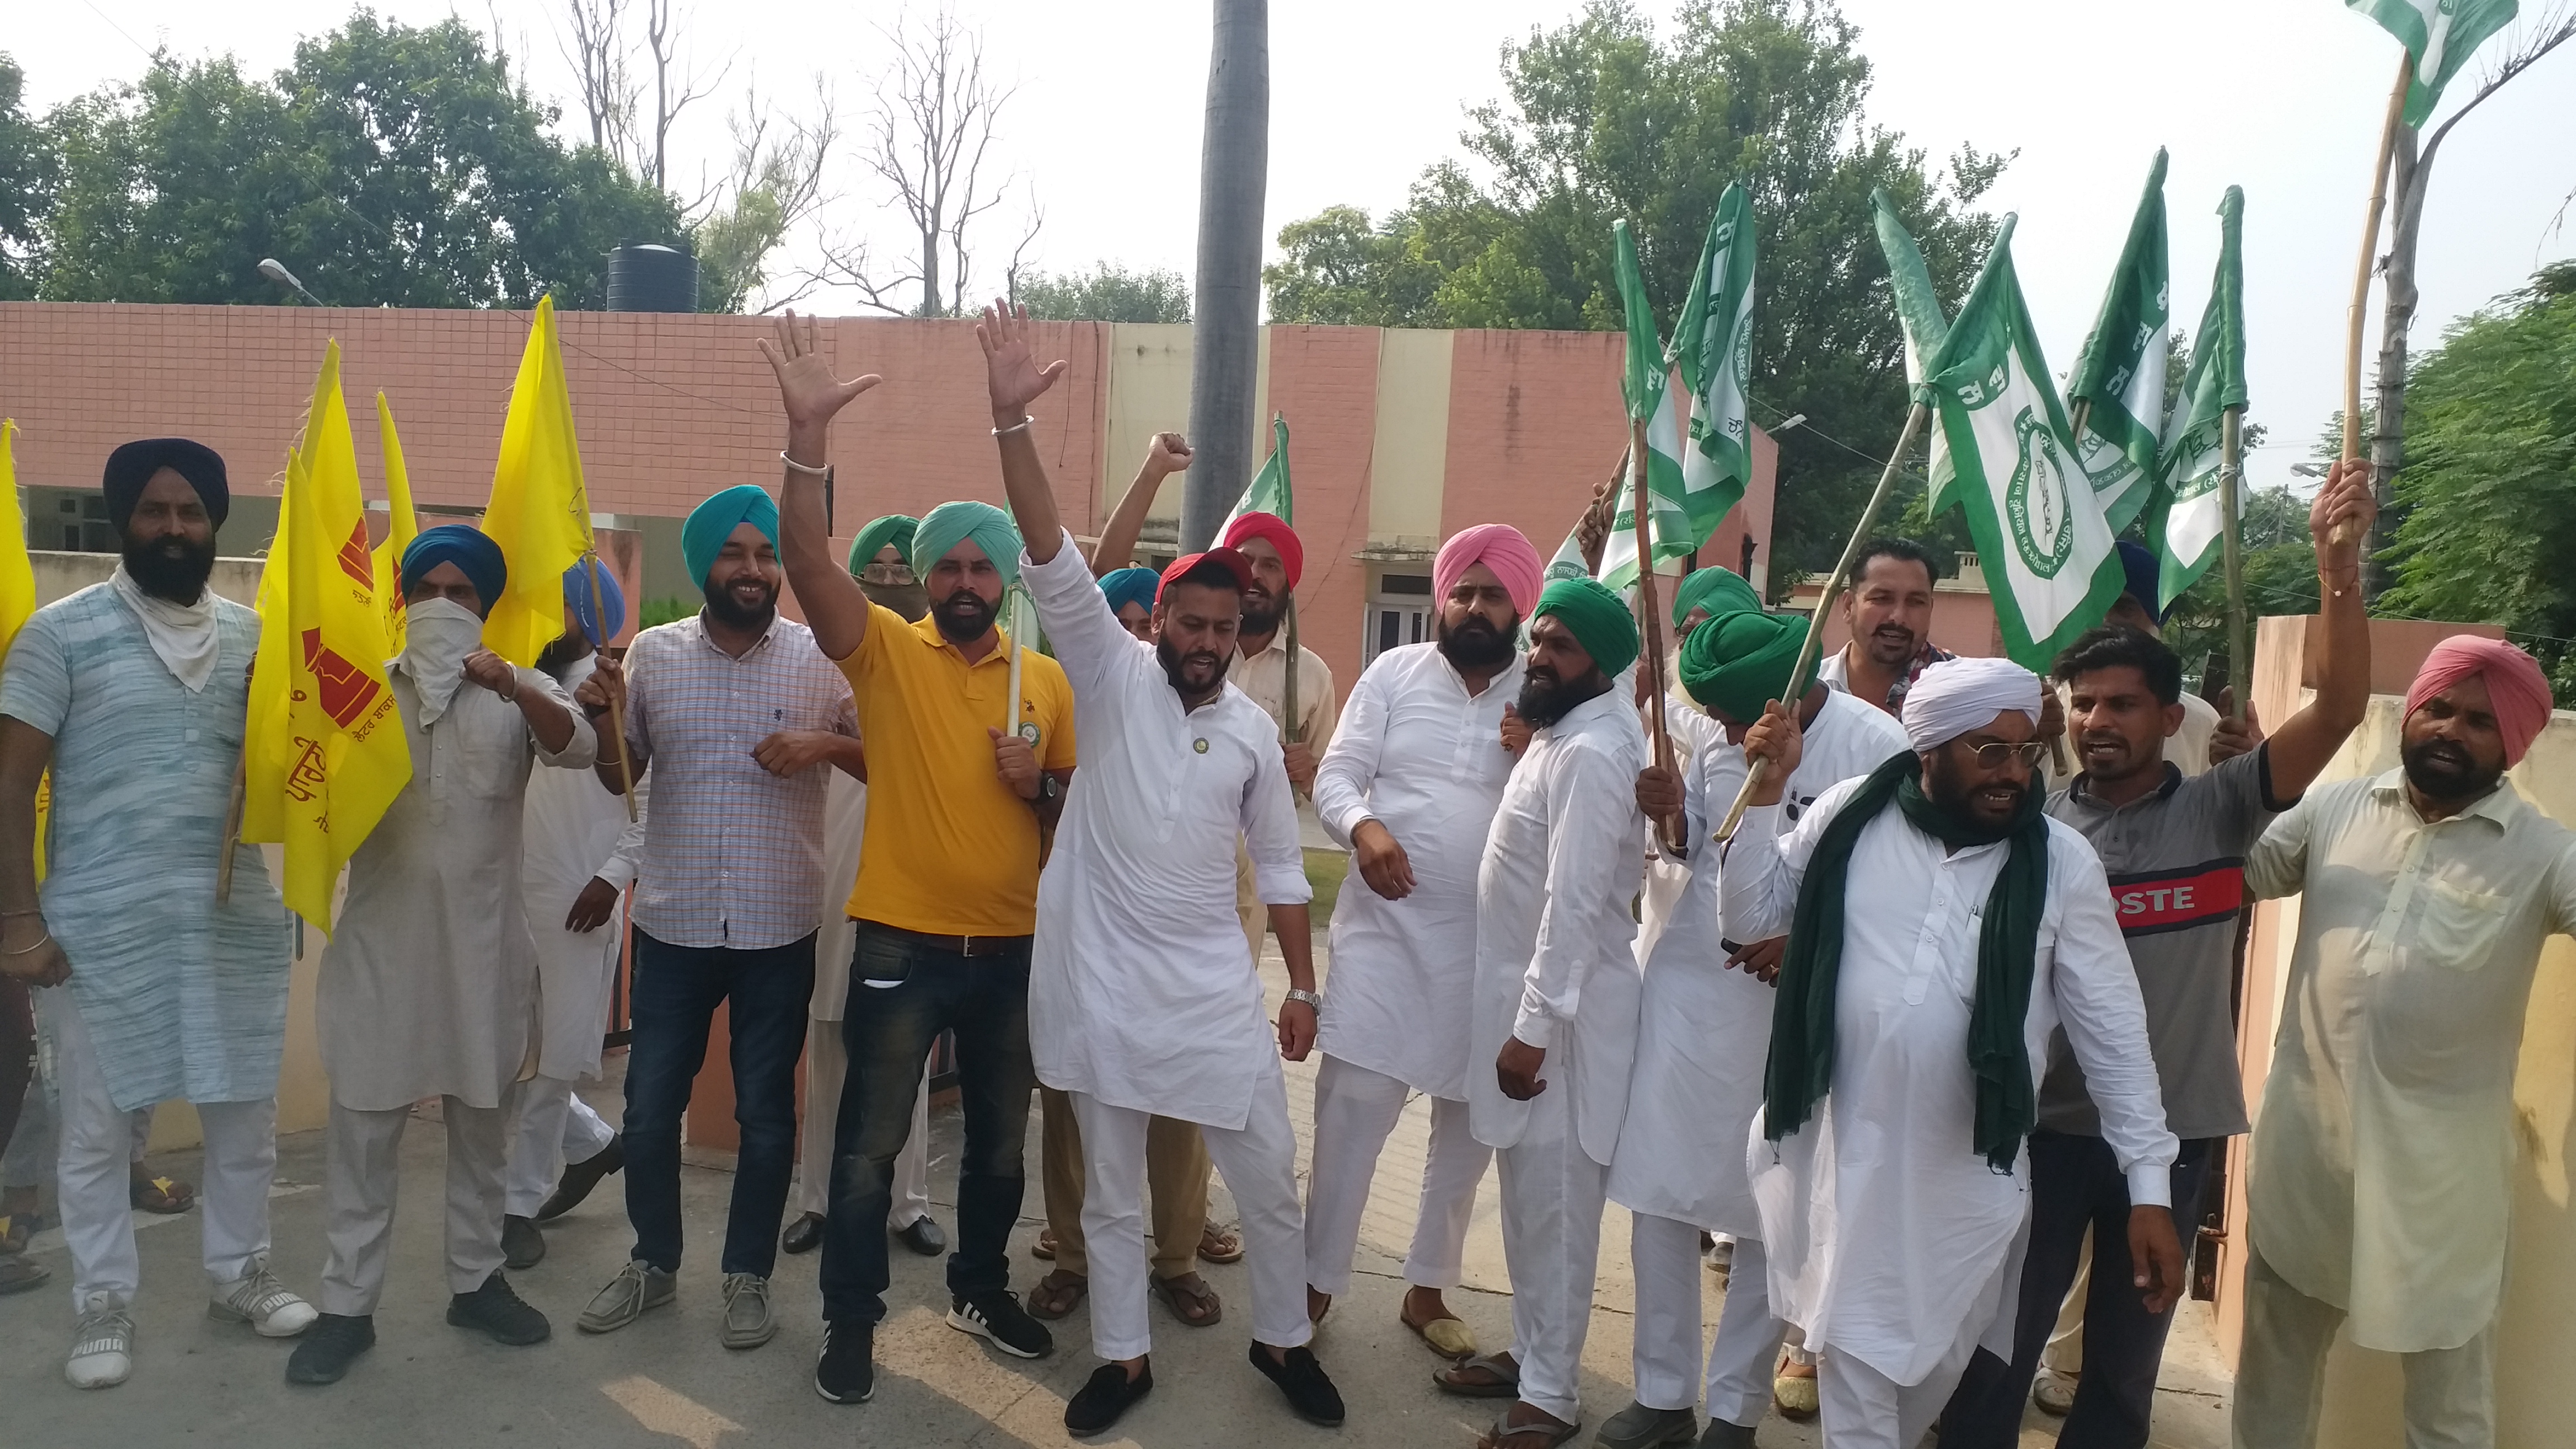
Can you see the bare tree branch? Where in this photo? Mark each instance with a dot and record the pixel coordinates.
(599, 54)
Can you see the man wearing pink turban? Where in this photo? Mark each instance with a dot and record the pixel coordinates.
(1410, 785)
(2384, 1158)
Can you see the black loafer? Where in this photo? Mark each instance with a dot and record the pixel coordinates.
(803, 1235)
(924, 1236)
(499, 1312)
(580, 1177)
(1301, 1378)
(1108, 1395)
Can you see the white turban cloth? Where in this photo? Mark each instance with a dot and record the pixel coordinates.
(1955, 696)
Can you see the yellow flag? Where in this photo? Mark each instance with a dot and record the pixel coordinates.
(398, 534)
(539, 513)
(326, 753)
(18, 592)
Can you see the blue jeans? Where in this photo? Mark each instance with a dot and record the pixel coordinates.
(984, 999)
(676, 992)
(2075, 1183)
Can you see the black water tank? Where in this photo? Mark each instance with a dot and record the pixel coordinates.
(646, 277)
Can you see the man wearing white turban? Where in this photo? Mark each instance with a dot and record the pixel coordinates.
(1888, 1162)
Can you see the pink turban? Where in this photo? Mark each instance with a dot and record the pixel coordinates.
(1500, 547)
(1269, 526)
(2516, 688)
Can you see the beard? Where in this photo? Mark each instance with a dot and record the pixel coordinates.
(1545, 699)
(963, 617)
(1958, 798)
(1475, 644)
(1261, 613)
(170, 567)
(2443, 770)
(730, 612)
(1193, 674)
(560, 656)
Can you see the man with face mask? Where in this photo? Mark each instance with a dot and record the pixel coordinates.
(429, 986)
(881, 560)
(134, 692)
(2384, 1162)
(1889, 613)
(1144, 1000)
(1554, 1016)
(1410, 784)
(738, 720)
(1936, 907)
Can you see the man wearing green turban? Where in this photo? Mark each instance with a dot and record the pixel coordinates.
(881, 559)
(1708, 593)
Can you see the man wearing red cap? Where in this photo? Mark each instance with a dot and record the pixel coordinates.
(2383, 1161)
(1260, 669)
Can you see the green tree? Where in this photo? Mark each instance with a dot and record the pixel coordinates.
(2488, 494)
(388, 165)
(1107, 292)
(1603, 119)
(26, 177)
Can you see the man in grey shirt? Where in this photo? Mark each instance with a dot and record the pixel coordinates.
(2174, 848)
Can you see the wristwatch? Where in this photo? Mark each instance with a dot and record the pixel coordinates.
(1314, 999)
(1049, 787)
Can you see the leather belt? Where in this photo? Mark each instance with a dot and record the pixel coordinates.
(953, 945)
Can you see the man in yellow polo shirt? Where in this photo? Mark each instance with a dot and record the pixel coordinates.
(946, 899)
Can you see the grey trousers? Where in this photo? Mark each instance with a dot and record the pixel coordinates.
(364, 1150)
(2281, 1374)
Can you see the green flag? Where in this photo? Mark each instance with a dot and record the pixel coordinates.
(1715, 341)
(1650, 399)
(2185, 522)
(1920, 318)
(2440, 34)
(1269, 492)
(2040, 534)
(2120, 374)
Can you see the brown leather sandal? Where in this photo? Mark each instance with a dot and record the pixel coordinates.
(1057, 1294)
(1190, 1298)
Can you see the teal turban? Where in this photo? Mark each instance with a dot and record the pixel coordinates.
(1719, 591)
(469, 548)
(712, 522)
(1130, 586)
(1736, 663)
(967, 521)
(895, 528)
(1600, 623)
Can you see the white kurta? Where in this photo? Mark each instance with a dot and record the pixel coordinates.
(845, 820)
(1554, 964)
(430, 987)
(1889, 1237)
(570, 836)
(1142, 991)
(1705, 1031)
(1423, 757)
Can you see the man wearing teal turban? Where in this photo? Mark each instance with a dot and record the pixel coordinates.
(966, 553)
(1734, 664)
(881, 560)
(731, 546)
(1710, 592)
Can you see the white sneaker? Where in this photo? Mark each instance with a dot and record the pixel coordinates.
(103, 1347)
(258, 1299)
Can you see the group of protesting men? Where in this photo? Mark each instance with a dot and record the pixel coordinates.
(1934, 1016)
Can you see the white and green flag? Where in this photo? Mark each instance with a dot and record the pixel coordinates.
(1919, 316)
(2040, 534)
(1568, 560)
(2185, 523)
(2119, 377)
(1714, 343)
(2440, 34)
(1650, 399)
(1269, 491)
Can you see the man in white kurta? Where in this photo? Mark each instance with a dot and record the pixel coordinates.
(1891, 1238)
(1410, 784)
(1555, 1014)
(429, 988)
(1701, 1038)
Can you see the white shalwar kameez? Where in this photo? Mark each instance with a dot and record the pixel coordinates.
(1702, 1038)
(1555, 969)
(430, 987)
(827, 1056)
(1889, 1239)
(1421, 755)
(1144, 999)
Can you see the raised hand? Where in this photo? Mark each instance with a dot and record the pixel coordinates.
(806, 386)
(2340, 519)
(1169, 454)
(1011, 372)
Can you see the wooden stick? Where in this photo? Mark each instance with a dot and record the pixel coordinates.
(2231, 479)
(1801, 674)
(1294, 724)
(1650, 614)
(616, 712)
(2363, 268)
(232, 827)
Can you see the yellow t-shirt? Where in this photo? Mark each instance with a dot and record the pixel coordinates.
(950, 850)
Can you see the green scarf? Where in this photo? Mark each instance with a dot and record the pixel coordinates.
(1801, 1068)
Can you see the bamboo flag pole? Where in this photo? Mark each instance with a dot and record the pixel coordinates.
(2231, 480)
(1294, 724)
(1650, 614)
(616, 712)
(1801, 675)
(232, 826)
(2363, 268)
(1019, 627)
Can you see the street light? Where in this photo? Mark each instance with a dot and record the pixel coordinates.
(1785, 424)
(2308, 470)
(275, 271)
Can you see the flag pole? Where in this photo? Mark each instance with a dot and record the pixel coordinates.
(232, 826)
(1801, 674)
(2363, 268)
(1294, 724)
(2240, 639)
(1650, 612)
(1019, 627)
(616, 715)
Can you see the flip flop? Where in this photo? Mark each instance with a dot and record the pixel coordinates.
(1546, 1434)
(1057, 1294)
(163, 1195)
(17, 1274)
(1220, 1245)
(1186, 1292)
(1502, 1378)
(1044, 1248)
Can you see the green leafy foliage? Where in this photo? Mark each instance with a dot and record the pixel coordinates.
(26, 177)
(1107, 292)
(667, 610)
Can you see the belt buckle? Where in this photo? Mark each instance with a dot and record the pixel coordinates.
(965, 945)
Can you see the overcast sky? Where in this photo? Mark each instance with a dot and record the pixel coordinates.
(2282, 97)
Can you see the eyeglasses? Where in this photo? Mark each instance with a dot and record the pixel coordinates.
(1993, 755)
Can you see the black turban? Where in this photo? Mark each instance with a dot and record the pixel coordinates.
(132, 466)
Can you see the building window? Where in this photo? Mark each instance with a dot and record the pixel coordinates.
(1399, 613)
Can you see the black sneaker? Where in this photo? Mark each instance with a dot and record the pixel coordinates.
(497, 1310)
(332, 1344)
(846, 1371)
(1302, 1379)
(1105, 1397)
(998, 1316)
